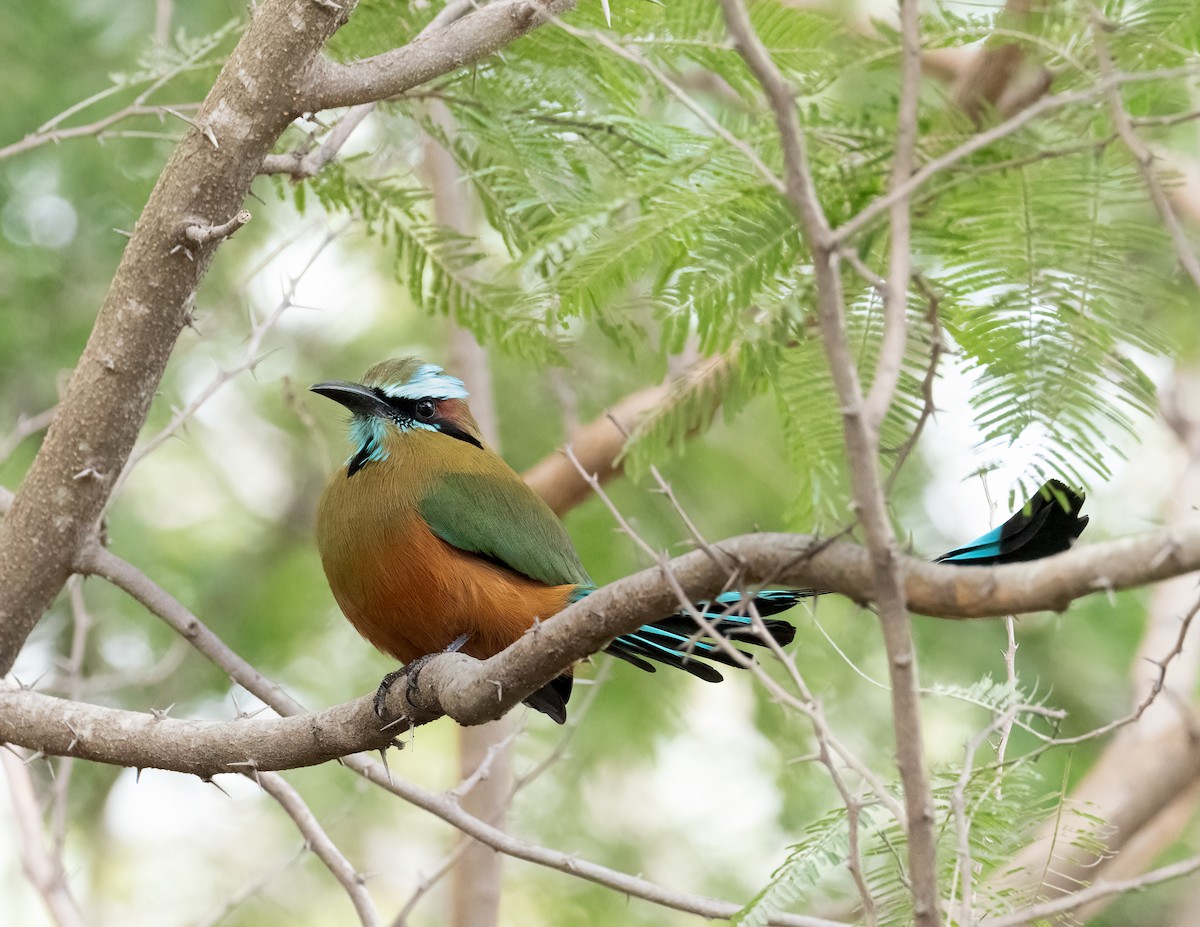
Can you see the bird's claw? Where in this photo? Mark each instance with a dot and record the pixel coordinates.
(382, 691)
(412, 670)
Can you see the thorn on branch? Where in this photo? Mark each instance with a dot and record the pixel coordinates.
(200, 234)
(74, 737)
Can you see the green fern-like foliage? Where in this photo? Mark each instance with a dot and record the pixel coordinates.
(992, 798)
(614, 211)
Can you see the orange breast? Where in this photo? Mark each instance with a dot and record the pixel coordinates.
(406, 590)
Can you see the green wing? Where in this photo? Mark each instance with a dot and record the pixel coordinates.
(504, 520)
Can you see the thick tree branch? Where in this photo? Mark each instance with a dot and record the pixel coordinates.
(473, 692)
(204, 748)
(106, 401)
(472, 37)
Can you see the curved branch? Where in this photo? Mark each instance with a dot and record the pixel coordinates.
(472, 37)
(473, 692)
(598, 446)
(60, 727)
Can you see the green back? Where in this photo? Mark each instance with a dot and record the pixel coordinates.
(505, 520)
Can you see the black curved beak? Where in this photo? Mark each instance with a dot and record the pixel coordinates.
(359, 399)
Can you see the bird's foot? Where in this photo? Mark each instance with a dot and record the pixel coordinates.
(412, 670)
(384, 687)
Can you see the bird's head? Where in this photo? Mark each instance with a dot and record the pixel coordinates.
(397, 398)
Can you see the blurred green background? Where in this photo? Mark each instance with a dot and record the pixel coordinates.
(701, 788)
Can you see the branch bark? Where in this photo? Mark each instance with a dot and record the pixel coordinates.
(483, 32)
(473, 692)
(106, 401)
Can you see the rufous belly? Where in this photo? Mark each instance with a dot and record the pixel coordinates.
(410, 593)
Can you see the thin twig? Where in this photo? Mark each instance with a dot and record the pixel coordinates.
(877, 207)
(49, 133)
(692, 105)
(895, 302)
(1142, 155)
(98, 128)
(1155, 689)
(1102, 889)
(251, 358)
(250, 889)
(1010, 674)
(42, 868)
(26, 426)
(319, 842)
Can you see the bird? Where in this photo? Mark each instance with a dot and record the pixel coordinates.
(431, 542)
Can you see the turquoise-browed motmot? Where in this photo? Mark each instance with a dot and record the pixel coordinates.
(428, 537)
(431, 541)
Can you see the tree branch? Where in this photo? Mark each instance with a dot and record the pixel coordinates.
(473, 692)
(59, 727)
(851, 227)
(895, 299)
(43, 868)
(598, 446)
(106, 401)
(319, 842)
(1142, 155)
(482, 33)
(302, 163)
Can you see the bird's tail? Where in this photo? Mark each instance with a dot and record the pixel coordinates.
(1047, 524)
(679, 642)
